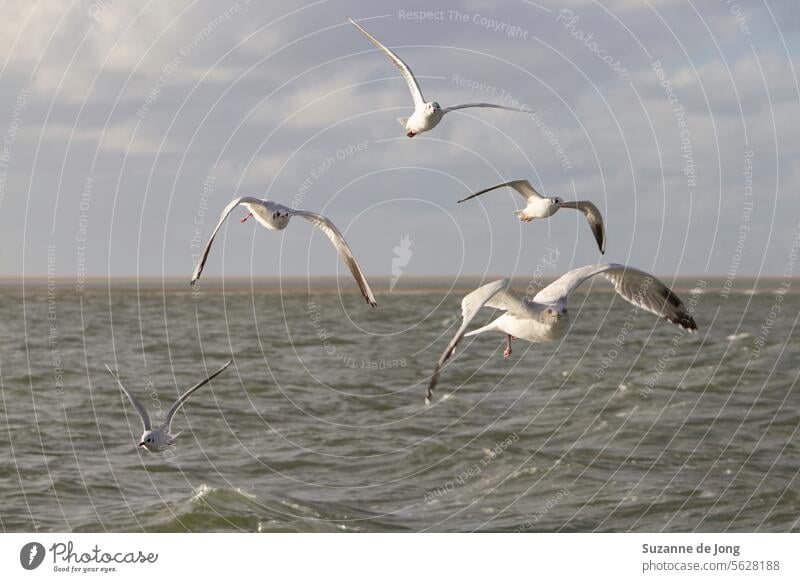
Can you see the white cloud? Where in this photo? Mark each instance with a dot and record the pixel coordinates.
(123, 138)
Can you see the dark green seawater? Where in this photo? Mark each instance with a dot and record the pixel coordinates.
(628, 424)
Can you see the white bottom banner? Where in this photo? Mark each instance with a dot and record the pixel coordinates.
(400, 556)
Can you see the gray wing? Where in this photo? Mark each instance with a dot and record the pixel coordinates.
(635, 286)
(522, 186)
(595, 219)
(228, 209)
(337, 238)
(470, 306)
(185, 396)
(136, 404)
(491, 105)
(411, 81)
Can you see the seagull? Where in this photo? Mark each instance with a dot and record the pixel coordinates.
(427, 114)
(274, 216)
(157, 439)
(544, 318)
(542, 207)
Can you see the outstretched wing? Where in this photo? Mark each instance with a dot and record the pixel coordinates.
(344, 250)
(522, 186)
(510, 301)
(492, 105)
(136, 404)
(635, 286)
(470, 306)
(185, 396)
(411, 81)
(595, 219)
(228, 209)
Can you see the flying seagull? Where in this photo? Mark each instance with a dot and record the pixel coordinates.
(544, 318)
(542, 207)
(427, 114)
(159, 438)
(274, 216)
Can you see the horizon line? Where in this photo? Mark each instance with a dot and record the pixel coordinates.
(6, 279)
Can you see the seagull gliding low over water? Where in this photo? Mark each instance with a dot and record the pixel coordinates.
(159, 438)
(544, 319)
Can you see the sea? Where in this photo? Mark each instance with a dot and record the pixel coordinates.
(626, 424)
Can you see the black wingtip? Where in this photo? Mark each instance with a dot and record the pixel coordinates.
(685, 322)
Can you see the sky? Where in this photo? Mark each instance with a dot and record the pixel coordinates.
(126, 127)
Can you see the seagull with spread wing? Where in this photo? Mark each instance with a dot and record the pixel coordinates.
(274, 216)
(427, 114)
(159, 438)
(544, 318)
(539, 206)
